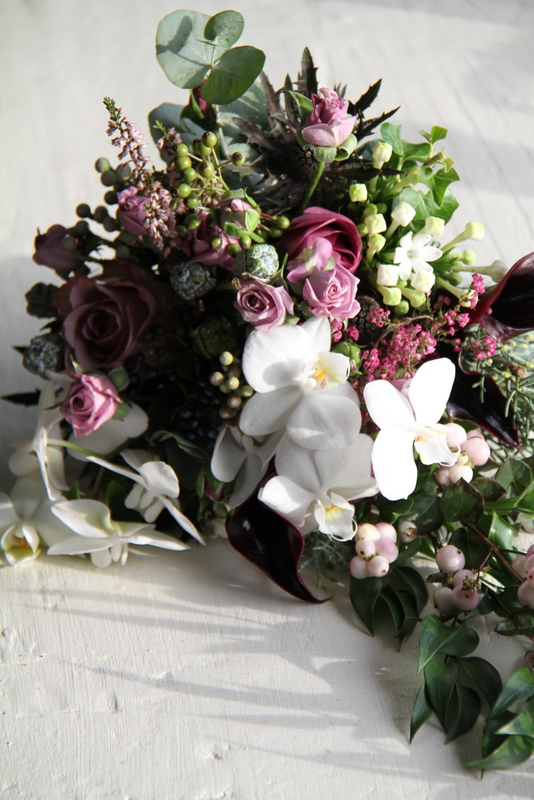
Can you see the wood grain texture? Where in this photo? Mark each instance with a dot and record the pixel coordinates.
(189, 675)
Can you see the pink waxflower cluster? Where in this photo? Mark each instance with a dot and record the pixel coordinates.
(376, 549)
(398, 355)
(483, 349)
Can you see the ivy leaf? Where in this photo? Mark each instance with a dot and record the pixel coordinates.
(363, 596)
(462, 502)
(421, 712)
(440, 680)
(224, 28)
(271, 543)
(489, 488)
(468, 707)
(435, 134)
(519, 624)
(391, 133)
(514, 471)
(522, 724)
(234, 73)
(514, 750)
(442, 179)
(484, 676)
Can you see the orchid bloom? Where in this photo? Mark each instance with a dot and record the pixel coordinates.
(238, 456)
(301, 387)
(26, 519)
(38, 454)
(405, 425)
(156, 487)
(103, 538)
(313, 487)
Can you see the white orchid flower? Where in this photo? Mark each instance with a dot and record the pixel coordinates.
(39, 454)
(405, 425)
(103, 538)
(156, 488)
(242, 457)
(414, 254)
(26, 518)
(112, 434)
(313, 487)
(300, 386)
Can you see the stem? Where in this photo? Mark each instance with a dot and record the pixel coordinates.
(496, 551)
(312, 187)
(72, 446)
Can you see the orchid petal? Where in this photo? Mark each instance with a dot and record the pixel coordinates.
(338, 521)
(88, 518)
(387, 407)
(157, 539)
(348, 471)
(228, 456)
(325, 421)
(430, 390)
(287, 499)
(319, 334)
(101, 558)
(263, 367)
(181, 519)
(268, 412)
(298, 464)
(393, 463)
(160, 478)
(77, 545)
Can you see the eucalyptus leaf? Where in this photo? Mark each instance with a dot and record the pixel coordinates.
(468, 707)
(421, 712)
(234, 73)
(224, 28)
(182, 50)
(440, 680)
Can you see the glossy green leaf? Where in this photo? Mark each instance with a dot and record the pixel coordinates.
(462, 502)
(408, 551)
(519, 687)
(363, 596)
(181, 48)
(465, 641)
(436, 133)
(440, 680)
(522, 725)
(474, 550)
(391, 599)
(484, 676)
(500, 532)
(436, 637)
(468, 705)
(514, 471)
(235, 71)
(224, 28)
(415, 585)
(519, 624)
(421, 712)
(514, 750)
(489, 488)
(392, 511)
(442, 179)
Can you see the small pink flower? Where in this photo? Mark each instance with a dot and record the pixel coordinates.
(91, 401)
(50, 253)
(319, 223)
(328, 124)
(132, 211)
(262, 305)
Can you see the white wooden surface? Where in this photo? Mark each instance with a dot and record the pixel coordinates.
(189, 675)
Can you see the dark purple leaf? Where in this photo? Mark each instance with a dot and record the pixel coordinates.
(271, 543)
(508, 309)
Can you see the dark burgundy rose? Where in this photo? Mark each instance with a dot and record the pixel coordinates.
(50, 253)
(508, 309)
(317, 222)
(133, 211)
(103, 319)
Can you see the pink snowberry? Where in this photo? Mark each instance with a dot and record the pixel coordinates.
(461, 575)
(475, 434)
(358, 568)
(386, 531)
(528, 563)
(443, 601)
(408, 531)
(388, 549)
(519, 565)
(525, 594)
(367, 531)
(477, 449)
(365, 548)
(465, 598)
(442, 475)
(458, 471)
(378, 566)
(449, 559)
(530, 573)
(456, 435)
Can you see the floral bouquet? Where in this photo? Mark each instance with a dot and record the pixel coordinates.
(272, 337)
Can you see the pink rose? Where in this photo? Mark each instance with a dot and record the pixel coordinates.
(103, 318)
(197, 246)
(263, 305)
(328, 124)
(132, 211)
(329, 288)
(50, 253)
(91, 401)
(317, 222)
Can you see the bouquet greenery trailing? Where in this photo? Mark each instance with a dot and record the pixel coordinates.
(271, 337)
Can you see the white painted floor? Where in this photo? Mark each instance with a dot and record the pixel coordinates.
(189, 675)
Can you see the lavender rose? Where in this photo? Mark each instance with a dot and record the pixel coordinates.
(198, 248)
(132, 211)
(262, 305)
(328, 124)
(317, 222)
(50, 253)
(239, 212)
(102, 321)
(328, 288)
(91, 401)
